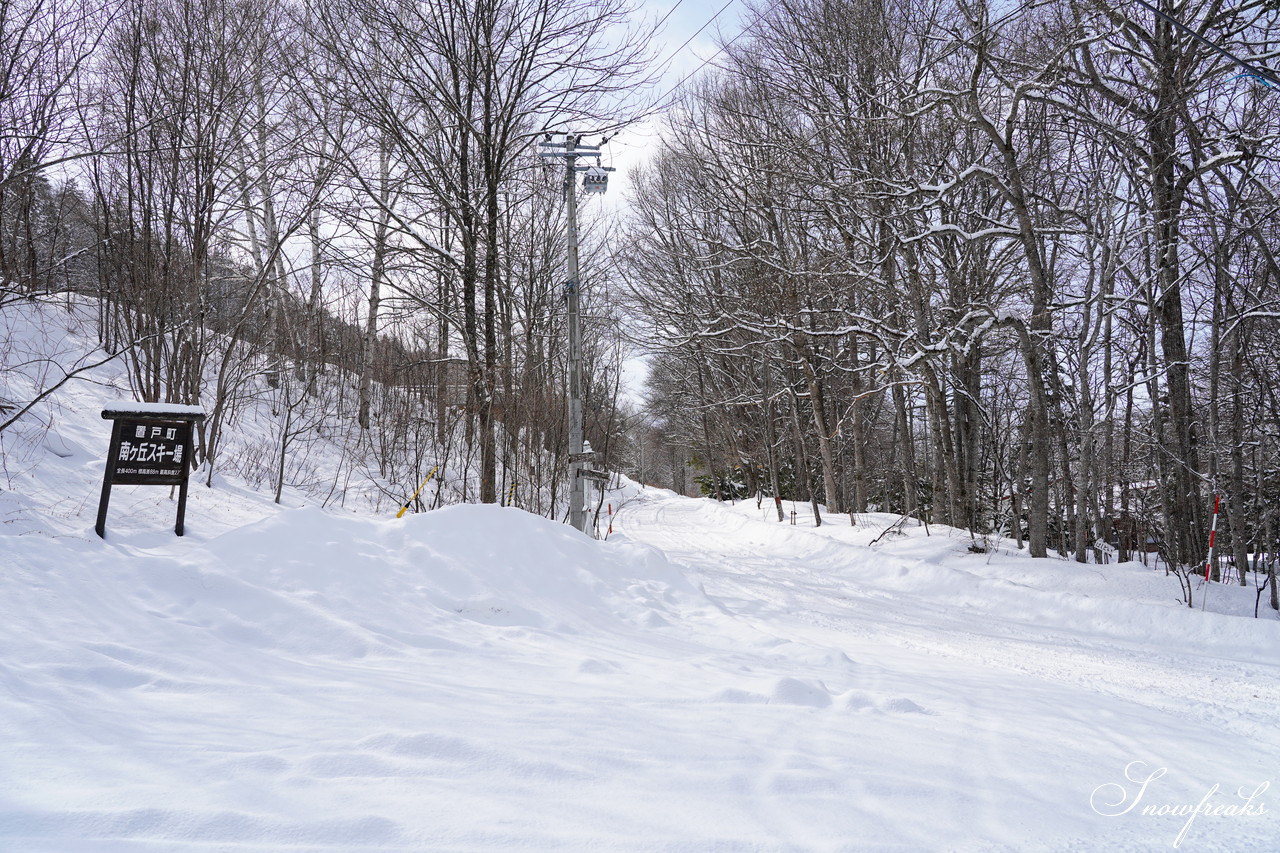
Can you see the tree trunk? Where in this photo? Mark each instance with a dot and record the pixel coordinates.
(910, 476)
(377, 271)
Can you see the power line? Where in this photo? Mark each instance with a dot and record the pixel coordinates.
(677, 51)
(713, 57)
(1258, 73)
(645, 110)
(667, 61)
(1262, 74)
(671, 12)
(760, 16)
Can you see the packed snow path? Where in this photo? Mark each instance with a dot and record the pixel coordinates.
(480, 679)
(997, 702)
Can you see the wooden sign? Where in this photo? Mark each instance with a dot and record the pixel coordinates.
(151, 445)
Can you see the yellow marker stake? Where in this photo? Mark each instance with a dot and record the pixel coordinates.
(405, 508)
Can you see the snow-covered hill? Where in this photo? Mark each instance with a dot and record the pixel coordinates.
(290, 678)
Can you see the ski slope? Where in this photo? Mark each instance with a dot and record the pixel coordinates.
(996, 701)
(481, 679)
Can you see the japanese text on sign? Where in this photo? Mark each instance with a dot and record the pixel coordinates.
(151, 453)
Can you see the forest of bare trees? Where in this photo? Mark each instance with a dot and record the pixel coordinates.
(1008, 267)
(335, 206)
(1004, 266)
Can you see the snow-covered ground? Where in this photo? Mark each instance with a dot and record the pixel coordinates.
(481, 679)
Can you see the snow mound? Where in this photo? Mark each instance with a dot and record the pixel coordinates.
(793, 691)
(307, 582)
(485, 564)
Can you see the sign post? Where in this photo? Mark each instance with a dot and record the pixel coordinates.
(151, 445)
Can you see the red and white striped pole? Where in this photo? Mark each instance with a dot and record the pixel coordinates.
(1213, 530)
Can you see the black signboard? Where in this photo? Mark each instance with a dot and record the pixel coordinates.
(151, 446)
(151, 453)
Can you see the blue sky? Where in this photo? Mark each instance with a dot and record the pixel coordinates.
(687, 19)
(680, 48)
(634, 144)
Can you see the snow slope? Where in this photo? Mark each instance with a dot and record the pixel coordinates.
(313, 679)
(483, 679)
(480, 679)
(999, 701)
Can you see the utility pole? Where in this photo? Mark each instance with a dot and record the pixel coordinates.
(595, 179)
